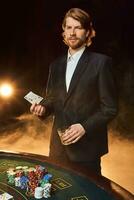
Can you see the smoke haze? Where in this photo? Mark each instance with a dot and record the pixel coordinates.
(26, 134)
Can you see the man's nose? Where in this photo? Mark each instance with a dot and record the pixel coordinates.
(72, 32)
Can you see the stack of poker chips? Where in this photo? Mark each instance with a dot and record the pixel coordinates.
(38, 192)
(35, 180)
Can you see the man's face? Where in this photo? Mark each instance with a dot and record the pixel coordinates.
(75, 34)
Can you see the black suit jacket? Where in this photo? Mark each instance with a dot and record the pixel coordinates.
(90, 101)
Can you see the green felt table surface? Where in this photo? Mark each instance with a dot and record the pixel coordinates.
(66, 184)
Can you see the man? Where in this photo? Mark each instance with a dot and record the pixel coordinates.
(81, 95)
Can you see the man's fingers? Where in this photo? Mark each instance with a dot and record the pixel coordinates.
(32, 107)
(37, 109)
(76, 140)
(73, 133)
(70, 136)
(40, 110)
(72, 140)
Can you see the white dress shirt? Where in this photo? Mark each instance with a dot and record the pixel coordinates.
(72, 61)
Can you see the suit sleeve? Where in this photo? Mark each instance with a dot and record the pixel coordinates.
(107, 98)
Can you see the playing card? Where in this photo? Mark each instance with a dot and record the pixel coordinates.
(6, 196)
(33, 98)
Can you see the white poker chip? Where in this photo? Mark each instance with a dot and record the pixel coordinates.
(11, 170)
(18, 167)
(31, 169)
(38, 192)
(47, 190)
(11, 173)
(25, 167)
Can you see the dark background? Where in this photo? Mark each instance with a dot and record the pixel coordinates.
(30, 39)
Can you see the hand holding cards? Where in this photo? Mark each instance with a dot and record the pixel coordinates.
(33, 98)
(36, 108)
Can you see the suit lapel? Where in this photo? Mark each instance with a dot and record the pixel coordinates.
(80, 68)
(62, 76)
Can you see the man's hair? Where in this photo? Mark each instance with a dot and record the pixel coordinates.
(85, 20)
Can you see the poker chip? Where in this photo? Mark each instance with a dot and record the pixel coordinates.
(17, 182)
(18, 167)
(34, 180)
(38, 192)
(11, 173)
(19, 173)
(11, 169)
(25, 167)
(47, 190)
(31, 169)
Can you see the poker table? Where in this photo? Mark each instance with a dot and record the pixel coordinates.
(68, 182)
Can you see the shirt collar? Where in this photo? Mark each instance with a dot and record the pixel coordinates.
(76, 55)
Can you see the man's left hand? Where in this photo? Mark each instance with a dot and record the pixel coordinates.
(73, 133)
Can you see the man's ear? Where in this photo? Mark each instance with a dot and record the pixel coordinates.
(87, 33)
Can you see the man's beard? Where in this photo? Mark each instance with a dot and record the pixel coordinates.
(77, 43)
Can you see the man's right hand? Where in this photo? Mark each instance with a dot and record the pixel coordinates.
(37, 109)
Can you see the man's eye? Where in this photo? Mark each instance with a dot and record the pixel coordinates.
(79, 27)
(68, 27)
